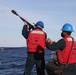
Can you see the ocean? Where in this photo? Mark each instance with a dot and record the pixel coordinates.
(13, 59)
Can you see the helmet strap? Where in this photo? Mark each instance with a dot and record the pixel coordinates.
(39, 27)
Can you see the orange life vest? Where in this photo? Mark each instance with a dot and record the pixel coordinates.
(36, 41)
(63, 55)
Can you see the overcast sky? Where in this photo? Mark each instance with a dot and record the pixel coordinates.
(54, 14)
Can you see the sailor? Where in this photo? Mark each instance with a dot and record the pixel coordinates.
(66, 49)
(35, 48)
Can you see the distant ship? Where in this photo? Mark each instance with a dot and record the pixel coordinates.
(1, 49)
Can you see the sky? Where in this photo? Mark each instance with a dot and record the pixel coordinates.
(53, 13)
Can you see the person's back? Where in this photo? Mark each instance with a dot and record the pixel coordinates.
(36, 40)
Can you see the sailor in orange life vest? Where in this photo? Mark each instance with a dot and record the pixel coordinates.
(63, 47)
(36, 39)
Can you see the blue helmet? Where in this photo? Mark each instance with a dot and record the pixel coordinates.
(67, 27)
(40, 23)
